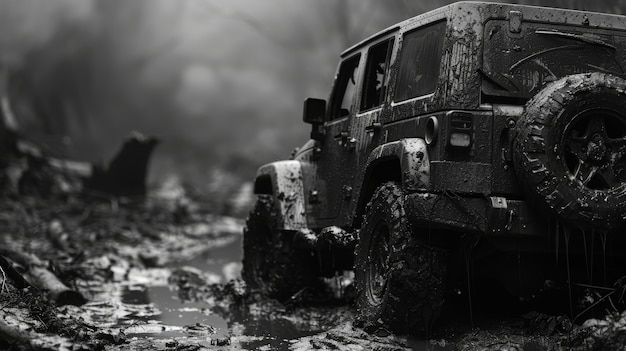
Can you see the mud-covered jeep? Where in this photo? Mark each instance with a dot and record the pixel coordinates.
(477, 132)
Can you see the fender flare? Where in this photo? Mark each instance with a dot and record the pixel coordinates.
(288, 192)
(414, 161)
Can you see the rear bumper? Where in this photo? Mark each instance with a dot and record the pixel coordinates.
(493, 216)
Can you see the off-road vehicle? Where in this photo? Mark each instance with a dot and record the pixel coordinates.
(476, 131)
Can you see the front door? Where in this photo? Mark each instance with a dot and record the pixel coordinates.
(351, 132)
(336, 157)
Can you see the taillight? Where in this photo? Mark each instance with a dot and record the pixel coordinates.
(460, 127)
(460, 139)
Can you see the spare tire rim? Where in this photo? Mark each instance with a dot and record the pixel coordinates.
(378, 267)
(595, 149)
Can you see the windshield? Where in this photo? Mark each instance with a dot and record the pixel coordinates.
(518, 64)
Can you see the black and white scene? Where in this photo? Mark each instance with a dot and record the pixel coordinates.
(312, 175)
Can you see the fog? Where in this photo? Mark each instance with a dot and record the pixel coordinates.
(221, 83)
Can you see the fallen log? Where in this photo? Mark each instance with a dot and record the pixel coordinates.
(40, 277)
(56, 290)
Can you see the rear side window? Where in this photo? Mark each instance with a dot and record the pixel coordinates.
(420, 59)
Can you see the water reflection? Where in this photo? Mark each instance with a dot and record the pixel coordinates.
(269, 328)
(251, 325)
(222, 261)
(172, 317)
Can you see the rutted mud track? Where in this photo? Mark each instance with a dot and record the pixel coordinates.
(159, 274)
(164, 274)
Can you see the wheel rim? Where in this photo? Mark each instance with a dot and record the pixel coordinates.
(378, 264)
(595, 150)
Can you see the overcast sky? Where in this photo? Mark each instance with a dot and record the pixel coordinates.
(221, 82)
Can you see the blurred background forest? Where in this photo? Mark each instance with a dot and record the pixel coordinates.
(221, 83)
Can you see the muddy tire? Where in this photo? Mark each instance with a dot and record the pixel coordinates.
(569, 150)
(400, 281)
(270, 263)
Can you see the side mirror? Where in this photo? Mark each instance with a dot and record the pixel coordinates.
(314, 111)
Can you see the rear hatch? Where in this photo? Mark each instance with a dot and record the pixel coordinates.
(517, 62)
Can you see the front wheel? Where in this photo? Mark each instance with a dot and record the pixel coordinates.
(270, 263)
(400, 280)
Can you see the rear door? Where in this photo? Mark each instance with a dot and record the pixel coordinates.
(366, 125)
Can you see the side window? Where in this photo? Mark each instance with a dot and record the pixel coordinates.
(420, 59)
(345, 87)
(376, 71)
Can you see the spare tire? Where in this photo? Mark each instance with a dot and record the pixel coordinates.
(569, 149)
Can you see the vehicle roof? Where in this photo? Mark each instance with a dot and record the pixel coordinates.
(501, 10)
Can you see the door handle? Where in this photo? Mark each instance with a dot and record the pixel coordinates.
(374, 127)
(342, 136)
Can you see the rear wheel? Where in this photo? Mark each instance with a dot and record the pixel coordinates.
(270, 263)
(400, 280)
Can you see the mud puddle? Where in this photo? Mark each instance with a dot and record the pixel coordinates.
(147, 304)
(222, 262)
(172, 317)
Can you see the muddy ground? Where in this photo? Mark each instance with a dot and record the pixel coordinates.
(164, 273)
